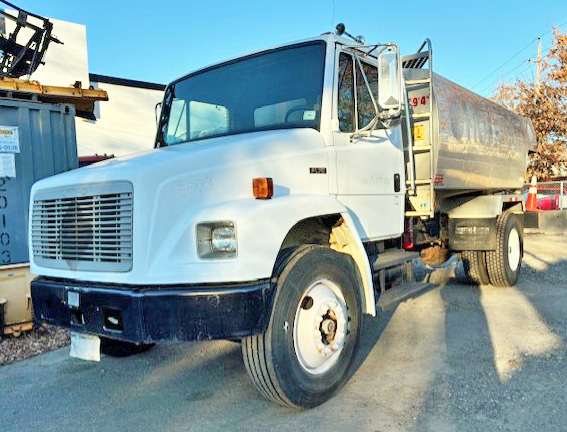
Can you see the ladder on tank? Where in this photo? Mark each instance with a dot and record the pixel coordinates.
(418, 120)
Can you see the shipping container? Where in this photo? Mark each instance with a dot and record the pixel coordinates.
(37, 140)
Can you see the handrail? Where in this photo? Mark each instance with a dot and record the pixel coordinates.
(410, 142)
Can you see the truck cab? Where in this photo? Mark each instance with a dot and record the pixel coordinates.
(271, 211)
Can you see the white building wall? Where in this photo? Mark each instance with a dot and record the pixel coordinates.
(125, 123)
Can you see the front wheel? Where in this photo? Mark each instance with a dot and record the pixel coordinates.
(505, 262)
(306, 354)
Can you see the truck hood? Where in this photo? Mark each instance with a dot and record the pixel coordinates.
(215, 154)
(176, 188)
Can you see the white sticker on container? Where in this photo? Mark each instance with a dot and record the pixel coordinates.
(309, 115)
(7, 165)
(9, 139)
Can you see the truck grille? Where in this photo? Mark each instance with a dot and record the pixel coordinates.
(84, 228)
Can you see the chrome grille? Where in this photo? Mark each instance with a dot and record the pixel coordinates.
(84, 228)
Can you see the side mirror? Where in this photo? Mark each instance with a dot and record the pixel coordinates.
(390, 81)
(157, 110)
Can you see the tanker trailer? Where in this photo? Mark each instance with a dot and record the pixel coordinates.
(466, 161)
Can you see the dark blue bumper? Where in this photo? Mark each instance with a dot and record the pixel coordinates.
(144, 314)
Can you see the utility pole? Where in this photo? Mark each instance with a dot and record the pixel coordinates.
(538, 61)
(538, 64)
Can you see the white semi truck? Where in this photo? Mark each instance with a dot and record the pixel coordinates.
(287, 192)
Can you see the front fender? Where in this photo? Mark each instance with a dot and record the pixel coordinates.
(261, 227)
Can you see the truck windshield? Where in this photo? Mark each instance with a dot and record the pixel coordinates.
(277, 89)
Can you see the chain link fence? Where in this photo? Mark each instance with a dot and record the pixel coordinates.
(550, 195)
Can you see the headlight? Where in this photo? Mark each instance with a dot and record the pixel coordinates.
(223, 239)
(216, 239)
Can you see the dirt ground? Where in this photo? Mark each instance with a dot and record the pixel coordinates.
(457, 358)
(41, 339)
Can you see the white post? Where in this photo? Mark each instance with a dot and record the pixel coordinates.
(561, 196)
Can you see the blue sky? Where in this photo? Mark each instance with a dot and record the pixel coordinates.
(159, 41)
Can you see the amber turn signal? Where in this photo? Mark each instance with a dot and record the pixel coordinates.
(263, 188)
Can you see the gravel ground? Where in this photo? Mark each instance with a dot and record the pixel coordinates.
(456, 358)
(37, 341)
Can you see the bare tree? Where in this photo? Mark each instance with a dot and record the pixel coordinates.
(546, 106)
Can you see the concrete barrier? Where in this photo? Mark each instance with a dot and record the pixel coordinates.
(546, 222)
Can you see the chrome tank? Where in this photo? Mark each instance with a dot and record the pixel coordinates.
(477, 144)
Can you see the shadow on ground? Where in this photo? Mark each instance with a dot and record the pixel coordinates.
(504, 351)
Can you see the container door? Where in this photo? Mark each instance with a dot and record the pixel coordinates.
(370, 169)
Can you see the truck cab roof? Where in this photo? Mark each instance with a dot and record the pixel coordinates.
(325, 37)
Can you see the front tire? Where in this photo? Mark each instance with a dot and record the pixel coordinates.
(505, 262)
(306, 354)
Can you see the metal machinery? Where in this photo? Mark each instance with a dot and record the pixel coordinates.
(19, 59)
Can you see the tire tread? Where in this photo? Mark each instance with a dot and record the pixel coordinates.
(495, 259)
(257, 366)
(475, 267)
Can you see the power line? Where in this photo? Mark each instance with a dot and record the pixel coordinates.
(512, 78)
(523, 62)
(504, 64)
(529, 60)
(504, 76)
(514, 56)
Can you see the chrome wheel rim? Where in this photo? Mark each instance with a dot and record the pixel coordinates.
(514, 249)
(320, 327)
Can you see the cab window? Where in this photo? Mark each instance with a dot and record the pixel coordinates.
(346, 94)
(365, 107)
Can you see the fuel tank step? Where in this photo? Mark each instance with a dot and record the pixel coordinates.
(392, 259)
(400, 293)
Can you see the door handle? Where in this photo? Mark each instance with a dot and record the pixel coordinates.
(397, 184)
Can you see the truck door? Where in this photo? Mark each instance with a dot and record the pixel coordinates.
(370, 169)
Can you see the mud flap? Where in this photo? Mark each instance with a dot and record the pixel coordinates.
(85, 346)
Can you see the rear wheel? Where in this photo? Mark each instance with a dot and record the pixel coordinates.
(474, 263)
(306, 354)
(505, 262)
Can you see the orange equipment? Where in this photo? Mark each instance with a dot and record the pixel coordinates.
(531, 202)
